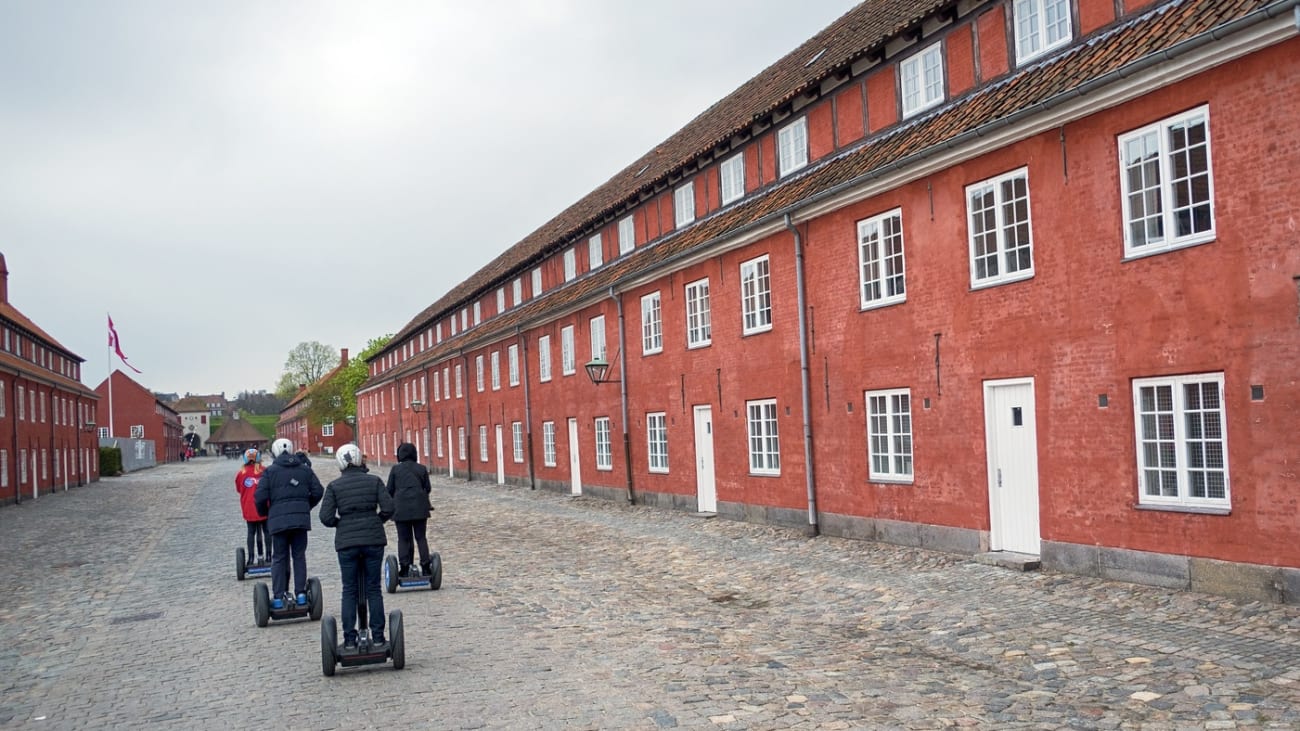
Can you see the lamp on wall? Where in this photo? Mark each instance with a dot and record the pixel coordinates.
(417, 406)
(88, 427)
(598, 371)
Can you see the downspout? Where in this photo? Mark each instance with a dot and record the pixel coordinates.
(469, 423)
(528, 407)
(622, 393)
(809, 471)
(13, 415)
(53, 463)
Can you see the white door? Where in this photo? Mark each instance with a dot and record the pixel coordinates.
(501, 459)
(706, 489)
(575, 465)
(451, 465)
(1012, 445)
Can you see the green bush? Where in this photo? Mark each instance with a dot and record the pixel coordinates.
(110, 461)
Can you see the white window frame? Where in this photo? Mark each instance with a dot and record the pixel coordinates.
(478, 313)
(998, 235)
(924, 70)
(1036, 22)
(595, 252)
(699, 327)
(478, 373)
(548, 443)
(570, 264)
(792, 147)
(731, 177)
(882, 266)
(652, 327)
(756, 295)
(482, 443)
(517, 291)
(684, 204)
(604, 448)
(460, 391)
(461, 443)
(501, 300)
(567, 365)
(764, 438)
(1170, 443)
(496, 370)
(889, 435)
(1158, 135)
(517, 438)
(656, 430)
(598, 350)
(464, 319)
(512, 364)
(626, 235)
(327, 430)
(544, 358)
(537, 281)
(437, 434)
(446, 383)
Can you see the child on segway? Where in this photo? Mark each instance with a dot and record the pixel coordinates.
(356, 505)
(246, 485)
(408, 483)
(286, 494)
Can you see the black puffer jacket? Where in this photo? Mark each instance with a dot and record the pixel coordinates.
(408, 483)
(357, 505)
(286, 494)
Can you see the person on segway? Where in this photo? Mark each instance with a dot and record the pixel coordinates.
(356, 505)
(408, 483)
(246, 485)
(286, 494)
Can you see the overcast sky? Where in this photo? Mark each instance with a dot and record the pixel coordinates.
(229, 179)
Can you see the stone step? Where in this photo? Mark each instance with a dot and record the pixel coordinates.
(1010, 560)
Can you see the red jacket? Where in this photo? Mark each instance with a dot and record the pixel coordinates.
(246, 484)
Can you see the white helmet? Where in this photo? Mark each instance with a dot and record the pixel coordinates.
(348, 455)
(280, 446)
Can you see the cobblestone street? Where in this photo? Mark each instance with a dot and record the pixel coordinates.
(121, 609)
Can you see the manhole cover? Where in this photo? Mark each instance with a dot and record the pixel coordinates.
(141, 617)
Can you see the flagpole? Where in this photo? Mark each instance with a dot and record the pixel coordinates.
(109, 360)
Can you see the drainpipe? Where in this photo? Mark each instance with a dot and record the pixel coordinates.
(13, 415)
(622, 393)
(809, 475)
(469, 417)
(528, 406)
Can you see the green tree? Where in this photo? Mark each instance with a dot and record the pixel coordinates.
(306, 364)
(336, 399)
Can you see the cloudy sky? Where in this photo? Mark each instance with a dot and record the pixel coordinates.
(229, 179)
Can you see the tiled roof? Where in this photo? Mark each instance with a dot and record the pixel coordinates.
(190, 404)
(1150, 33)
(303, 393)
(236, 431)
(11, 313)
(9, 361)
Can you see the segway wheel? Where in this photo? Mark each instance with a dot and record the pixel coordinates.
(396, 639)
(261, 604)
(435, 566)
(241, 564)
(315, 599)
(329, 644)
(390, 574)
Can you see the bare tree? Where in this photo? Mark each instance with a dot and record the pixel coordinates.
(306, 363)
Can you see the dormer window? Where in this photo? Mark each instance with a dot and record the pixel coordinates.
(684, 204)
(570, 265)
(1041, 25)
(626, 235)
(732, 174)
(792, 146)
(595, 252)
(921, 78)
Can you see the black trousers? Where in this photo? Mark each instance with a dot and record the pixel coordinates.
(286, 544)
(408, 530)
(257, 529)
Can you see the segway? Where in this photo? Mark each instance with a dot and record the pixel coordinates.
(366, 652)
(416, 578)
(263, 612)
(245, 568)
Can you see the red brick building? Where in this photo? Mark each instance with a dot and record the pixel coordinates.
(137, 414)
(296, 424)
(47, 416)
(1012, 277)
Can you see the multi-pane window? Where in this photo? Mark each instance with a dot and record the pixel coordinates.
(652, 332)
(595, 252)
(459, 391)
(438, 437)
(548, 443)
(889, 434)
(684, 204)
(517, 438)
(496, 370)
(327, 430)
(544, 358)
(22, 466)
(764, 442)
(732, 175)
(478, 373)
(4, 468)
(446, 389)
(537, 281)
(22, 403)
(1182, 444)
(478, 313)
(656, 430)
(921, 78)
(517, 291)
(437, 332)
(570, 265)
(2, 398)
(699, 332)
(604, 454)
(880, 259)
(598, 337)
(482, 443)
(792, 146)
(1001, 242)
(1041, 25)
(437, 392)
(1167, 183)
(626, 235)
(501, 299)
(566, 351)
(756, 295)
(512, 358)
(460, 437)
(464, 318)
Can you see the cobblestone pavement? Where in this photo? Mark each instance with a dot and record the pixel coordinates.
(120, 609)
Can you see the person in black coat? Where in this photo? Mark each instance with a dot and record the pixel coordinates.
(286, 494)
(356, 506)
(408, 483)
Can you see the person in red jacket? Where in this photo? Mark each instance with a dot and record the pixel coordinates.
(246, 484)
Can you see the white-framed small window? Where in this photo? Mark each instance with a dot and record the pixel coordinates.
(459, 389)
(501, 300)
(595, 252)
(567, 366)
(517, 439)
(699, 330)
(22, 402)
(478, 373)
(464, 319)
(438, 438)
(626, 235)
(517, 291)
(437, 392)
(544, 358)
(684, 204)
(1182, 441)
(1167, 181)
(880, 259)
(4, 468)
(598, 337)
(1001, 237)
(512, 363)
(548, 443)
(792, 147)
(460, 436)
(2, 399)
(889, 435)
(656, 430)
(437, 332)
(103, 432)
(446, 389)
(731, 174)
(496, 370)
(482, 443)
(327, 430)
(604, 453)
(756, 295)
(22, 466)
(478, 313)
(537, 282)
(652, 331)
(764, 439)
(921, 79)
(1041, 25)
(137, 431)
(570, 265)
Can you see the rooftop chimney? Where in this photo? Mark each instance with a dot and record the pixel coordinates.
(345, 356)
(4, 282)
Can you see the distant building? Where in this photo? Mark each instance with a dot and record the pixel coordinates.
(236, 435)
(295, 425)
(138, 414)
(217, 404)
(196, 421)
